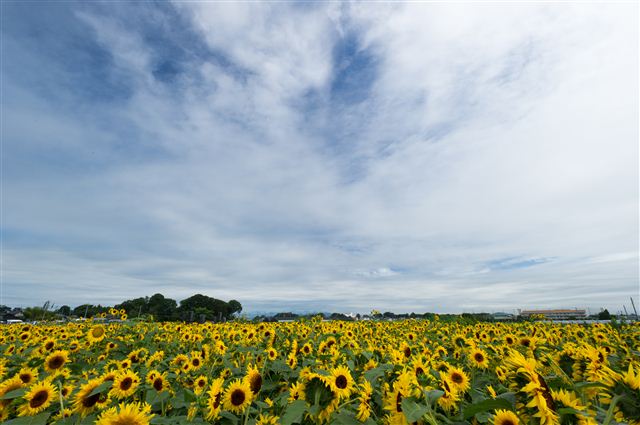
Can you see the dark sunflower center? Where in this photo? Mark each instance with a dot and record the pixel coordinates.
(457, 378)
(91, 400)
(201, 383)
(25, 377)
(39, 399)
(216, 401)
(126, 383)
(341, 382)
(399, 403)
(256, 383)
(509, 341)
(158, 384)
(525, 342)
(48, 346)
(237, 397)
(479, 357)
(407, 352)
(56, 362)
(508, 422)
(419, 371)
(97, 333)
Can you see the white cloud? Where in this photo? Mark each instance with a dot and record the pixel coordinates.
(489, 132)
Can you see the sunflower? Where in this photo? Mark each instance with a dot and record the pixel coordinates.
(267, 420)
(564, 399)
(505, 417)
(27, 375)
(125, 383)
(85, 403)
(341, 381)
(478, 359)
(215, 398)
(200, 384)
(96, 334)
(38, 398)
(56, 360)
(254, 379)
(307, 349)
(292, 361)
(317, 388)
(66, 390)
(296, 392)
(420, 368)
(404, 386)
(364, 408)
(459, 379)
(272, 353)
(631, 378)
(48, 344)
(8, 386)
(129, 414)
(237, 396)
(24, 336)
(158, 381)
(196, 360)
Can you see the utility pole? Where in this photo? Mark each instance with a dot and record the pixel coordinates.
(634, 307)
(625, 310)
(86, 309)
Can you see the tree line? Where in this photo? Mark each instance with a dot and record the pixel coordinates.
(156, 307)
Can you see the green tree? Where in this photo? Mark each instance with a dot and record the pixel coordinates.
(65, 310)
(135, 307)
(234, 307)
(604, 315)
(163, 309)
(216, 308)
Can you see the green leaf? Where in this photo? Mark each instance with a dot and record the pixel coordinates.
(293, 413)
(229, 417)
(570, 411)
(71, 420)
(412, 410)
(261, 404)
(373, 374)
(487, 406)
(612, 407)
(510, 397)
(101, 388)
(89, 420)
(433, 396)
(345, 418)
(583, 385)
(14, 394)
(189, 396)
(40, 419)
(154, 397)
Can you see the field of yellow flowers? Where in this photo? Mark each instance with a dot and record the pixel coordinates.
(315, 372)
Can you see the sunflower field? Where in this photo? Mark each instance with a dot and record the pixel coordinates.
(315, 372)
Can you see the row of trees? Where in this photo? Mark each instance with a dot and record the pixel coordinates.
(197, 307)
(156, 307)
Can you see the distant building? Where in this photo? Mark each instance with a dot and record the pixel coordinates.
(502, 316)
(556, 314)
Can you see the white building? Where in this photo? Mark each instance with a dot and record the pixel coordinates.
(560, 314)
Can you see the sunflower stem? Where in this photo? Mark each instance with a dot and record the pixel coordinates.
(61, 401)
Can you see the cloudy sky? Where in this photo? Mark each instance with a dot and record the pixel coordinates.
(335, 157)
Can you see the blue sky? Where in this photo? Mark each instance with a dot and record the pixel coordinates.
(321, 156)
